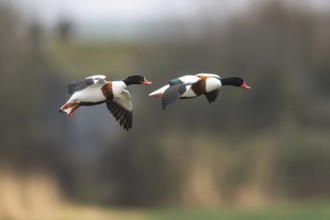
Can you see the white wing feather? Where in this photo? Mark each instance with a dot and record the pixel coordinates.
(124, 100)
(189, 79)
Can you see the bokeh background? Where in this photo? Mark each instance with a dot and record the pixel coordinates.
(263, 153)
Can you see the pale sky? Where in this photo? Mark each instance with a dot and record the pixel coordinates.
(88, 14)
(48, 11)
(130, 10)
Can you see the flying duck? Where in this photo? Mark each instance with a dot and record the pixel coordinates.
(190, 86)
(96, 90)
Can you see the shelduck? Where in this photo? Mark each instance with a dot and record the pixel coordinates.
(96, 90)
(191, 86)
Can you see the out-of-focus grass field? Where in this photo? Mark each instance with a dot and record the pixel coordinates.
(295, 212)
(313, 211)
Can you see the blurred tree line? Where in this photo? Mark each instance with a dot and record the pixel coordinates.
(32, 136)
(255, 147)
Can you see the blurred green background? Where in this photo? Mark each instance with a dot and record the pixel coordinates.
(259, 154)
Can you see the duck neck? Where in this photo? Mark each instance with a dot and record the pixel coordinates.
(128, 82)
(227, 81)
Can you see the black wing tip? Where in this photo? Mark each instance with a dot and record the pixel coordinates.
(77, 85)
(128, 128)
(164, 106)
(123, 116)
(212, 96)
(89, 81)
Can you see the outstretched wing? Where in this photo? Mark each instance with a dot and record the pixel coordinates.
(173, 93)
(122, 109)
(212, 96)
(78, 85)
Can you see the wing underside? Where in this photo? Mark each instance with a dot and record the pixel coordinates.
(121, 108)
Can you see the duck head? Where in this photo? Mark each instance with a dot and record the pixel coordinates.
(234, 81)
(136, 79)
